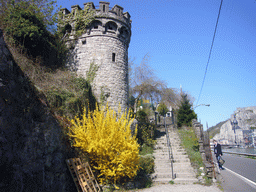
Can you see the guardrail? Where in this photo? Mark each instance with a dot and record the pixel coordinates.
(246, 154)
(169, 148)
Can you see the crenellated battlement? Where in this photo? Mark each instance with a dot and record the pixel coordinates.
(111, 21)
(104, 10)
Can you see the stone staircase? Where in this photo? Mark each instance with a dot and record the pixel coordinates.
(183, 170)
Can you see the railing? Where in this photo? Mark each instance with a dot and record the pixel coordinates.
(169, 148)
(236, 153)
(245, 154)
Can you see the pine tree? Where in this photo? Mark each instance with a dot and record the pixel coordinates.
(185, 112)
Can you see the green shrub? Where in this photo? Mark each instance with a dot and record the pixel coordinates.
(146, 164)
(26, 23)
(70, 103)
(146, 134)
(142, 116)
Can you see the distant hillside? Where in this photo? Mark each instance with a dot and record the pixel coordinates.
(215, 129)
(239, 128)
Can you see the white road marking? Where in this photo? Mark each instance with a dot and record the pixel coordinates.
(248, 180)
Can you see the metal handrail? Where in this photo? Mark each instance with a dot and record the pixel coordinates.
(169, 148)
(236, 153)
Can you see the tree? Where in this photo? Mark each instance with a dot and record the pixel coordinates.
(170, 97)
(29, 25)
(185, 112)
(162, 109)
(144, 84)
(44, 8)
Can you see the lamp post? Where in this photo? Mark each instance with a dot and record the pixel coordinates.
(208, 105)
(156, 113)
(235, 123)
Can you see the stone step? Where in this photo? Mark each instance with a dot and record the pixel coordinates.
(164, 149)
(178, 150)
(162, 180)
(162, 161)
(180, 157)
(176, 165)
(162, 169)
(166, 166)
(181, 160)
(183, 164)
(174, 139)
(161, 155)
(186, 175)
(176, 145)
(162, 175)
(161, 139)
(185, 180)
(177, 170)
(175, 158)
(177, 153)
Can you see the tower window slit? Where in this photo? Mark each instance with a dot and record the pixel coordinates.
(103, 8)
(113, 57)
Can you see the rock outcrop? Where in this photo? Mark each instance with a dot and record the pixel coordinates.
(246, 124)
(31, 149)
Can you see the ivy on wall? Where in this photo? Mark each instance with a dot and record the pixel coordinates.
(80, 18)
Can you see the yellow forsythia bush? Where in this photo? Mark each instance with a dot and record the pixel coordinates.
(108, 140)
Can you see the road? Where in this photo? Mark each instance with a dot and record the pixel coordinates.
(240, 174)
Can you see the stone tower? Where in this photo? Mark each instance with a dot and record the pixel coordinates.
(105, 44)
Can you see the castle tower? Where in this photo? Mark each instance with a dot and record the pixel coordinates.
(105, 44)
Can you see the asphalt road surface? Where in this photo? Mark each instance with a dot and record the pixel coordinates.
(239, 175)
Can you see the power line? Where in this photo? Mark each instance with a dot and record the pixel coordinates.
(210, 52)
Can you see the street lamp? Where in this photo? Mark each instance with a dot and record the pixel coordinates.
(208, 105)
(235, 123)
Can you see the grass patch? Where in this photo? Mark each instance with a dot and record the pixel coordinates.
(191, 145)
(250, 157)
(219, 186)
(145, 149)
(207, 181)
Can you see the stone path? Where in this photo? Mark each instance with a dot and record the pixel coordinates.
(183, 170)
(179, 188)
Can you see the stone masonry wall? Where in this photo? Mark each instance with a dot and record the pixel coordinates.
(32, 152)
(111, 79)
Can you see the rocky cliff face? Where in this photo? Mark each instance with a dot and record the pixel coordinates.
(31, 149)
(246, 124)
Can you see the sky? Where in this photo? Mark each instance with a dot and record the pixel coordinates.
(177, 35)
